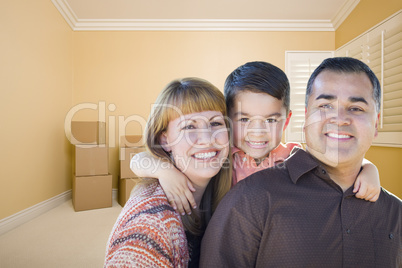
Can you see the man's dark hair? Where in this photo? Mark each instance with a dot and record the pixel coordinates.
(346, 65)
(257, 77)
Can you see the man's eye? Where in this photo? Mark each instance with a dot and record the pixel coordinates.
(356, 109)
(271, 120)
(244, 120)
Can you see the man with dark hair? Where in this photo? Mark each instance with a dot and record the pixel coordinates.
(303, 212)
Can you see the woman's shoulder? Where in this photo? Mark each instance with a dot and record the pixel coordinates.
(147, 221)
(149, 199)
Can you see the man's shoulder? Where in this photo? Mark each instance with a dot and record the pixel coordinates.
(390, 198)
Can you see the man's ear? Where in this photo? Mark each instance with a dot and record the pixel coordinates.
(164, 142)
(376, 125)
(287, 120)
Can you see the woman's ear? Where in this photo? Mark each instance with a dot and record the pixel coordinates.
(164, 142)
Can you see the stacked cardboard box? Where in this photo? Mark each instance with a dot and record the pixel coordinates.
(92, 183)
(129, 146)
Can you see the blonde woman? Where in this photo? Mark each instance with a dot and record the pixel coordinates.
(187, 129)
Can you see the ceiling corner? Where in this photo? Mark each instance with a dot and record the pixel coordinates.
(344, 12)
(66, 11)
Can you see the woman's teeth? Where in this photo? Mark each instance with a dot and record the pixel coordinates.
(205, 155)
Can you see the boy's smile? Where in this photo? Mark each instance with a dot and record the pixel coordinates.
(258, 122)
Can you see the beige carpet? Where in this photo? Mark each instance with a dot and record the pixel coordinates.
(60, 238)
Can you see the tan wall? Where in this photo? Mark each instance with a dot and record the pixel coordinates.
(367, 14)
(129, 69)
(36, 88)
(389, 163)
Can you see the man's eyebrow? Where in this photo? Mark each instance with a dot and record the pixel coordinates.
(326, 97)
(358, 99)
(333, 97)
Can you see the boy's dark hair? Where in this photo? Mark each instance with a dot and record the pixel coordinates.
(257, 77)
(346, 65)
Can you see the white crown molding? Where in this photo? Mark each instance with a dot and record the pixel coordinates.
(344, 12)
(30, 213)
(66, 11)
(186, 24)
(202, 25)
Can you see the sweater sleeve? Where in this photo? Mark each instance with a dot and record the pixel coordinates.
(147, 234)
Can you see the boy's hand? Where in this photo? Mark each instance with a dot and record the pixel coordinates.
(175, 184)
(178, 190)
(367, 185)
(366, 191)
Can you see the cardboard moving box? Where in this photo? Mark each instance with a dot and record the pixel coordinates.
(91, 160)
(129, 141)
(125, 188)
(125, 158)
(92, 192)
(88, 132)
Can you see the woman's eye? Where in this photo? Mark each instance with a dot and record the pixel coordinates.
(216, 124)
(188, 127)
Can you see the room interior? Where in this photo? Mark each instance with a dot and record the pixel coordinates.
(52, 64)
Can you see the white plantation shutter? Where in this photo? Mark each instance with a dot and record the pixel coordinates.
(354, 50)
(381, 49)
(299, 66)
(392, 77)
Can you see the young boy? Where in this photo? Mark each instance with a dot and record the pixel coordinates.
(257, 98)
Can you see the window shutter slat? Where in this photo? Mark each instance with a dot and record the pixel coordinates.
(299, 66)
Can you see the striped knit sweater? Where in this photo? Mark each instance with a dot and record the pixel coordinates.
(147, 233)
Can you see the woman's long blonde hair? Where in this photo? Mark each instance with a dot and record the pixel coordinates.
(180, 97)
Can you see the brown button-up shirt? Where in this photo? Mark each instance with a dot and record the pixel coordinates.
(294, 215)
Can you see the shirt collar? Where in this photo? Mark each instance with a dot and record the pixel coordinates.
(299, 163)
(235, 150)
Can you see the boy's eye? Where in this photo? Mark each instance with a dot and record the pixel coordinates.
(244, 120)
(325, 106)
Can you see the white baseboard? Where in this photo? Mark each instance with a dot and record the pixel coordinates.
(19, 218)
(30, 213)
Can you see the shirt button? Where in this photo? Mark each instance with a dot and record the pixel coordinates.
(391, 236)
(348, 231)
(323, 172)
